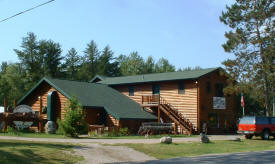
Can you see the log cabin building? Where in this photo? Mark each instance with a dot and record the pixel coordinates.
(188, 99)
(103, 105)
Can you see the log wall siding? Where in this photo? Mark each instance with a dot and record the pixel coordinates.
(227, 115)
(186, 103)
(42, 91)
(112, 122)
(92, 115)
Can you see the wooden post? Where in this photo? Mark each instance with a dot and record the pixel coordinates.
(176, 129)
(40, 113)
(158, 114)
(158, 99)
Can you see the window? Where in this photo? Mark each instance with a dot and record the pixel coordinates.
(247, 120)
(156, 89)
(131, 90)
(272, 120)
(219, 90)
(208, 87)
(262, 120)
(181, 88)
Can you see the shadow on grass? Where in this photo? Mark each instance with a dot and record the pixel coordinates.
(27, 156)
(32, 153)
(4, 144)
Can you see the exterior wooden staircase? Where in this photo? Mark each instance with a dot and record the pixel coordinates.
(170, 111)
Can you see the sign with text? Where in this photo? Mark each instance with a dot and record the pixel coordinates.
(219, 103)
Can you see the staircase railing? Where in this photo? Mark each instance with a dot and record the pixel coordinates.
(176, 112)
(179, 117)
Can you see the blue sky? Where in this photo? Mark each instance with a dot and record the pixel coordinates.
(186, 32)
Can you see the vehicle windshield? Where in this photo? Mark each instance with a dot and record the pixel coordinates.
(247, 120)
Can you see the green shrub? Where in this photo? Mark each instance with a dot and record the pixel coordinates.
(113, 133)
(124, 131)
(11, 130)
(121, 132)
(74, 120)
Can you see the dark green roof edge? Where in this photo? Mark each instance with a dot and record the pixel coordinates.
(133, 83)
(140, 82)
(38, 84)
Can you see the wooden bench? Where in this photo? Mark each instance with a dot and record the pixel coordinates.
(155, 128)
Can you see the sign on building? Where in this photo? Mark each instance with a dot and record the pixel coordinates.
(219, 103)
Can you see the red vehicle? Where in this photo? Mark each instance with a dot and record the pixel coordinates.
(257, 126)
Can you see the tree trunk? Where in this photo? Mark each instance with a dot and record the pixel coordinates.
(266, 82)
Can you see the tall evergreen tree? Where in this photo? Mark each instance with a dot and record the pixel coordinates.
(132, 64)
(89, 62)
(107, 65)
(52, 58)
(72, 64)
(251, 39)
(163, 65)
(149, 65)
(30, 58)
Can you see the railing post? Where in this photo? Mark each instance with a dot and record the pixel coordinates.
(158, 114)
(176, 129)
(158, 99)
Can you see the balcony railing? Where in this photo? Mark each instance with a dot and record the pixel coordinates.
(151, 99)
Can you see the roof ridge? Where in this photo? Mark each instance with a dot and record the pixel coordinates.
(49, 78)
(161, 73)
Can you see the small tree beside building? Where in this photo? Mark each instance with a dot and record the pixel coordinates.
(74, 120)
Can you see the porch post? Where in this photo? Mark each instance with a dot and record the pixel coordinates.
(158, 114)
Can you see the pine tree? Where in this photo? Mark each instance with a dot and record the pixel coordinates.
(107, 65)
(72, 64)
(251, 39)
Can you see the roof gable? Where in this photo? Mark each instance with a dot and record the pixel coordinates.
(157, 77)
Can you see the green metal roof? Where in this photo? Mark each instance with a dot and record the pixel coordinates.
(97, 95)
(156, 77)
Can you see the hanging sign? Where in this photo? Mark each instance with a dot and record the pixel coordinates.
(219, 103)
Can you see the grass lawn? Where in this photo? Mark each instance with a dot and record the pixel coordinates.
(24, 152)
(163, 151)
(33, 135)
